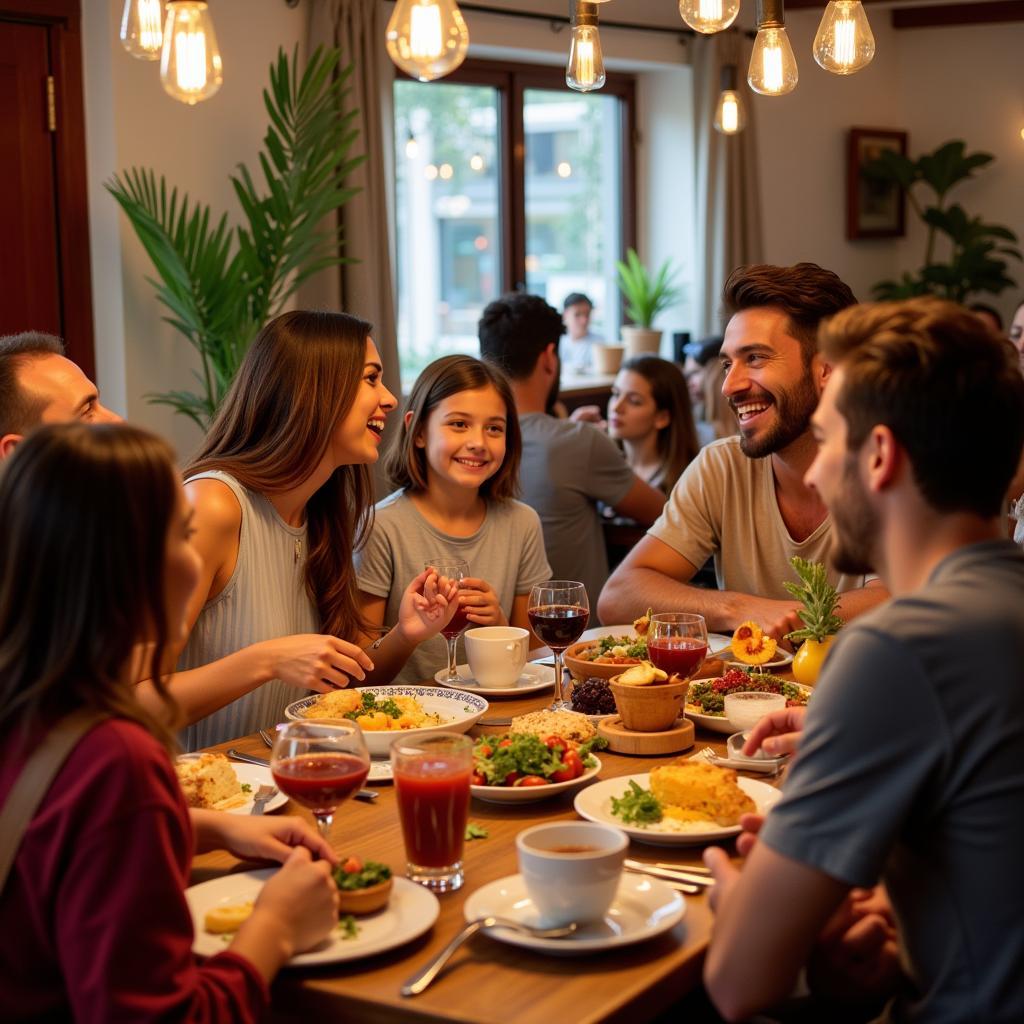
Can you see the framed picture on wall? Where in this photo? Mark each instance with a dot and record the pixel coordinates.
(874, 209)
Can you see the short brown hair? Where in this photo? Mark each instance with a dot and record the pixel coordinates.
(405, 465)
(19, 411)
(947, 386)
(805, 292)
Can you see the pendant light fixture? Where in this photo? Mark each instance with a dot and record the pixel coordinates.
(427, 39)
(709, 16)
(773, 70)
(585, 70)
(730, 114)
(142, 28)
(190, 64)
(844, 43)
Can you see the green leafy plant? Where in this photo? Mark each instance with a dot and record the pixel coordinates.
(221, 284)
(978, 252)
(819, 599)
(646, 295)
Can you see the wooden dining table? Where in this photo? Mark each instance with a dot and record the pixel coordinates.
(489, 981)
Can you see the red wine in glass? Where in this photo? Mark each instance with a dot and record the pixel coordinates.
(558, 625)
(320, 781)
(456, 626)
(454, 570)
(680, 656)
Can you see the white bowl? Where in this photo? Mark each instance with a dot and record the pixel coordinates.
(459, 712)
(530, 794)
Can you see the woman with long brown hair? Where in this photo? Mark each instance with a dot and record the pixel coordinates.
(282, 498)
(95, 839)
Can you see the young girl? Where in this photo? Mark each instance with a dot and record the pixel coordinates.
(650, 414)
(93, 921)
(282, 497)
(456, 464)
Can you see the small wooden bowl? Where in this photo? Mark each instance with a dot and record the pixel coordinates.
(365, 901)
(650, 708)
(580, 669)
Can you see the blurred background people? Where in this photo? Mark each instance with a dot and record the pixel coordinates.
(576, 312)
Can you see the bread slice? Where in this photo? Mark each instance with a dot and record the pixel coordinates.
(208, 781)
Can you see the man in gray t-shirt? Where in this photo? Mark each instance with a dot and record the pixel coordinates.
(910, 768)
(567, 468)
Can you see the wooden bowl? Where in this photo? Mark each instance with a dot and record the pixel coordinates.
(365, 901)
(587, 669)
(650, 708)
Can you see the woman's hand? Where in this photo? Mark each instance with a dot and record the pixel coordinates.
(312, 661)
(428, 604)
(777, 733)
(480, 602)
(259, 838)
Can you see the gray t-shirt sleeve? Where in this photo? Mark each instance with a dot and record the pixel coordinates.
(375, 562)
(873, 735)
(605, 475)
(533, 561)
(689, 523)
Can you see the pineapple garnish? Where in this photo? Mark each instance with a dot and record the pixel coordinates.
(642, 624)
(751, 646)
(819, 599)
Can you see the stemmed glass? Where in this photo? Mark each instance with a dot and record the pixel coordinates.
(558, 612)
(677, 643)
(320, 765)
(454, 569)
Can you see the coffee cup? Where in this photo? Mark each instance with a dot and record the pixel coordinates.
(571, 870)
(497, 654)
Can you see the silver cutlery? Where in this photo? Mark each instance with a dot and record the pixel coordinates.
(366, 795)
(773, 767)
(423, 977)
(266, 737)
(495, 721)
(693, 880)
(261, 797)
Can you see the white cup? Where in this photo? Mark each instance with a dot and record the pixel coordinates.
(571, 869)
(497, 654)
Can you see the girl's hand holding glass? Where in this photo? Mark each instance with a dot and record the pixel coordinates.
(480, 603)
(428, 605)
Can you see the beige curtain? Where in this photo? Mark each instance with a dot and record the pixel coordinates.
(728, 220)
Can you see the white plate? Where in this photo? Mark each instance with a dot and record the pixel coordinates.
(781, 660)
(643, 908)
(459, 712)
(595, 804)
(719, 723)
(530, 794)
(381, 771)
(534, 678)
(718, 643)
(250, 775)
(411, 910)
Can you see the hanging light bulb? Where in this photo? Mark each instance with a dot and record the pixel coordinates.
(730, 114)
(412, 147)
(427, 39)
(709, 16)
(585, 70)
(773, 70)
(142, 23)
(190, 65)
(844, 43)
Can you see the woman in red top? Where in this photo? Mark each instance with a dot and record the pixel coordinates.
(96, 570)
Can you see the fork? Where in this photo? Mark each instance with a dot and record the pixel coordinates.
(423, 977)
(772, 767)
(261, 797)
(266, 737)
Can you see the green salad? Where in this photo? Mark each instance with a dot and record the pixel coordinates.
(522, 759)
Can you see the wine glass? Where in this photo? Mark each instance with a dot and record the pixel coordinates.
(677, 643)
(558, 612)
(320, 765)
(453, 569)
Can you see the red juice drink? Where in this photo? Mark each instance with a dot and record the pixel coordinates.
(320, 781)
(680, 656)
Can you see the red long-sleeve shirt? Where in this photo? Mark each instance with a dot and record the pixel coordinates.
(93, 919)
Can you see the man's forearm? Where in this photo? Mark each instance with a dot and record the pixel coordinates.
(855, 602)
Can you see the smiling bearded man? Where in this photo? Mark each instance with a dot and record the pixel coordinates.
(743, 499)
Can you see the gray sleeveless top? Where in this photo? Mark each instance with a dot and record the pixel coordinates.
(265, 598)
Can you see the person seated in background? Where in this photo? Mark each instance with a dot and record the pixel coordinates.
(576, 313)
(1016, 332)
(94, 925)
(989, 316)
(910, 768)
(701, 360)
(39, 384)
(743, 499)
(567, 467)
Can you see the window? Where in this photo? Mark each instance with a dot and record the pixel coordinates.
(506, 179)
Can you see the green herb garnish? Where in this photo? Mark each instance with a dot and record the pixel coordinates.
(476, 832)
(373, 873)
(246, 788)
(348, 927)
(371, 704)
(637, 806)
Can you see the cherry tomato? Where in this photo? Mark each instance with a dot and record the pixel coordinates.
(352, 865)
(573, 767)
(477, 779)
(532, 780)
(506, 742)
(510, 779)
(556, 743)
(485, 752)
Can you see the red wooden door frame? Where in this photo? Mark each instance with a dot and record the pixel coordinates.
(63, 18)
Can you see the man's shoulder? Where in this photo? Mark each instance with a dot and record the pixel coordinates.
(566, 434)
(721, 462)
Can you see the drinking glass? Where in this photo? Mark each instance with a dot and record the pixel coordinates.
(453, 569)
(432, 776)
(320, 765)
(677, 643)
(558, 611)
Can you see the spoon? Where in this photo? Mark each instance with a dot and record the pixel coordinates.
(422, 978)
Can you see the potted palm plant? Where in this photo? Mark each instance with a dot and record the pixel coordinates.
(646, 296)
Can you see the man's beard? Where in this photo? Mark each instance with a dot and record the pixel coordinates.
(794, 408)
(855, 527)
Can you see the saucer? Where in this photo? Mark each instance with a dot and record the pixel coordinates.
(643, 908)
(535, 677)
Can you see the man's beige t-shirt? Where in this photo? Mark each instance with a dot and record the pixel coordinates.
(724, 505)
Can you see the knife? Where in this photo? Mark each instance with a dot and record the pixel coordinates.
(367, 795)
